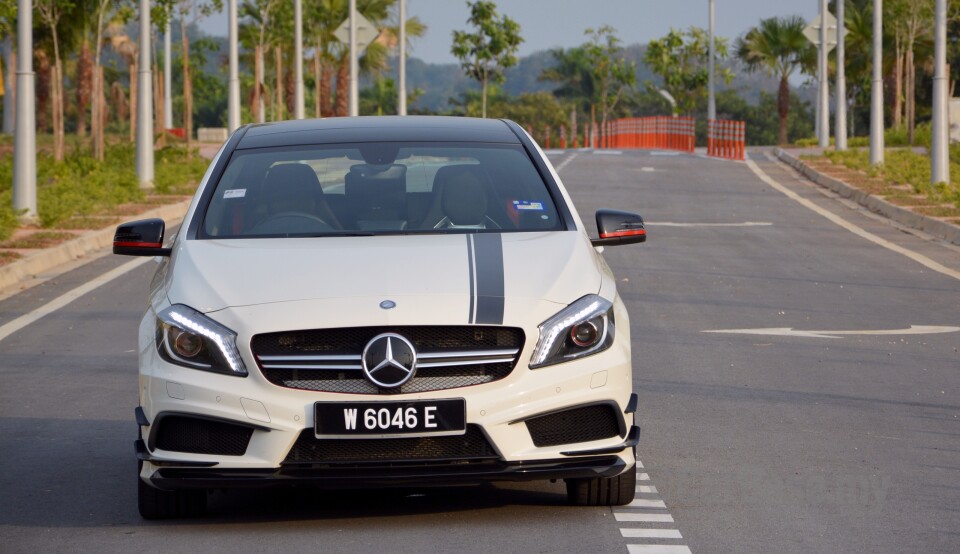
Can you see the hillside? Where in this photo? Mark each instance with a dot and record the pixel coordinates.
(443, 82)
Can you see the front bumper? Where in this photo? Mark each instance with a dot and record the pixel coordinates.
(280, 415)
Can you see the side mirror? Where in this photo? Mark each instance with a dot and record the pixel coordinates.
(140, 238)
(618, 227)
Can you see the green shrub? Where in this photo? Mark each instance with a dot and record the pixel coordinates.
(81, 185)
(177, 173)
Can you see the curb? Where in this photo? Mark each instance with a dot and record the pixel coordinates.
(941, 229)
(49, 258)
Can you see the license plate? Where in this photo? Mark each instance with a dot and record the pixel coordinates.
(418, 418)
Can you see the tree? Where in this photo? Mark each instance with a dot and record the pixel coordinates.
(912, 21)
(611, 72)
(50, 12)
(778, 47)
(104, 12)
(258, 15)
(194, 9)
(486, 53)
(680, 59)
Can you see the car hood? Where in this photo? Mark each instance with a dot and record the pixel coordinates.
(472, 275)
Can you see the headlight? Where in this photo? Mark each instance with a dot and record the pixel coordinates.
(188, 338)
(581, 329)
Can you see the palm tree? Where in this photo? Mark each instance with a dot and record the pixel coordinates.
(778, 47)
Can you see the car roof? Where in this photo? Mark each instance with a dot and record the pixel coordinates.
(333, 130)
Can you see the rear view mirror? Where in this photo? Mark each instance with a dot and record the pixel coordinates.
(616, 227)
(140, 238)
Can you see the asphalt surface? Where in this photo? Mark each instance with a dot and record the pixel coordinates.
(755, 443)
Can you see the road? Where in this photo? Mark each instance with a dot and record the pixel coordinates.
(752, 442)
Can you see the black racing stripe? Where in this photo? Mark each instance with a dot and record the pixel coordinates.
(473, 289)
(488, 249)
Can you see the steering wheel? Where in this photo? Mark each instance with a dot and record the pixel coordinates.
(291, 222)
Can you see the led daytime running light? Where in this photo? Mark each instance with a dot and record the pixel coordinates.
(194, 322)
(556, 328)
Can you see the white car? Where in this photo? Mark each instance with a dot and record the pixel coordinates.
(383, 301)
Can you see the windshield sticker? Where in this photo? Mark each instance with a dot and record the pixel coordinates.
(234, 193)
(528, 205)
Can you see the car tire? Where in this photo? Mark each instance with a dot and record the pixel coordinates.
(603, 491)
(160, 504)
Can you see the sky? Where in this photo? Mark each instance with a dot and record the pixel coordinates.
(548, 24)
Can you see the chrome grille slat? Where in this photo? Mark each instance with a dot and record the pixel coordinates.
(469, 354)
(464, 362)
(356, 367)
(319, 358)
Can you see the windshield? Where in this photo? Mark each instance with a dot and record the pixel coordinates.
(379, 188)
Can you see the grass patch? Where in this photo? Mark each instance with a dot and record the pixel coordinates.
(7, 257)
(81, 186)
(939, 211)
(40, 239)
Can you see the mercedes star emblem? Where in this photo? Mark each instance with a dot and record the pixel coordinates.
(389, 360)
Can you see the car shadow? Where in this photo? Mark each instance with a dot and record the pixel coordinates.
(82, 473)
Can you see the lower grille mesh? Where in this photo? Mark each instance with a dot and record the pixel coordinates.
(202, 436)
(467, 447)
(585, 424)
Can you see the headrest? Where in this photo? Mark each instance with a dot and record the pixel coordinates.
(463, 193)
(292, 188)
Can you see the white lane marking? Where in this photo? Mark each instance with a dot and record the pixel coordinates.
(790, 332)
(919, 258)
(554, 151)
(608, 152)
(26, 319)
(646, 503)
(559, 167)
(651, 518)
(677, 224)
(662, 153)
(643, 477)
(647, 169)
(647, 489)
(651, 534)
(657, 549)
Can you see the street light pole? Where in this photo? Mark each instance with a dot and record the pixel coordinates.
(824, 114)
(167, 78)
(402, 87)
(298, 59)
(876, 87)
(233, 84)
(711, 98)
(939, 157)
(841, 115)
(25, 132)
(145, 103)
(354, 66)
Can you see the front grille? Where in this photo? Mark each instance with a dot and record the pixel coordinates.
(329, 359)
(585, 424)
(472, 446)
(202, 436)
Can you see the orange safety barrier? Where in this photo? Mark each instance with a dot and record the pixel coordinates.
(563, 137)
(726, 139)
(670, 133)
